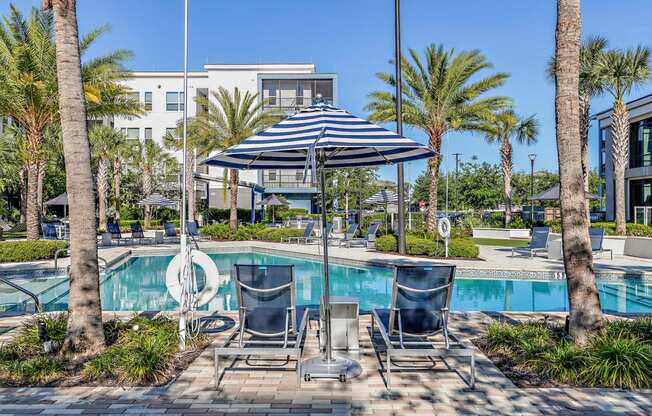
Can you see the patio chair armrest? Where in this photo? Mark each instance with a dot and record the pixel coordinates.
(383, 330)
(302, 327)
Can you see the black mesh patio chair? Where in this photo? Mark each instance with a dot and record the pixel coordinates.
(539, 242)
(419, 311)
(269, 322)
(170, 235)
(116, 234)
(138, 235)
(368, 239)
(349, 235)
(597, 242)
(307, 233)
(329, 231)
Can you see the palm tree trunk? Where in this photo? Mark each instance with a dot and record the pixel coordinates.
(41, 176)
(434, 141)
(585, 313)
(506, 159)
(233, 182)
(147, 190)
(585, 125)
(84, 333)
(102, 190)
(620, 152)
(117, 179)
(23, 194)
(31, 212)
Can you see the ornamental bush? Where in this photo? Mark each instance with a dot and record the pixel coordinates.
(419, 246)
(29, 250)
(386, 243)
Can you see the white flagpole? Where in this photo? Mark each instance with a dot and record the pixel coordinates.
(184, 259)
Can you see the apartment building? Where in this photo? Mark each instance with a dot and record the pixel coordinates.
(285, 87)
(638, 173)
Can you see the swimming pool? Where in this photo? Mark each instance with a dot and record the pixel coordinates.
(139, 284)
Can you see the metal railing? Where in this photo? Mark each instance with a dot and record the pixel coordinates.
(37, 302)
(292, 103)
(287, 181)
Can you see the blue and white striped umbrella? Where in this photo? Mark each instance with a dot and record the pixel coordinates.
(344, 139)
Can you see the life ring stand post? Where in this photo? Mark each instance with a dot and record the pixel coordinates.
(444, 229)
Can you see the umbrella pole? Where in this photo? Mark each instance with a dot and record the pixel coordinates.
(327, 306)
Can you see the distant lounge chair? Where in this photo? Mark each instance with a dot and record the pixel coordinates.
(192, 228)
(170, 233)
(539, 242)
(318, 240)
(49, 231)
(307, 233)
(268, 316)
(597, 242)
(419, 310)
(349, 235)
(138, 235)
(370, 237)
(116, 234)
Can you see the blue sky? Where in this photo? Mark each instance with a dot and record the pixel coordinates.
(354, 38)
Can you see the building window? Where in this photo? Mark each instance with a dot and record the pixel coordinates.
(171, 131)
(148, 101)
(174, 101)
(272, 175)
(202, 93)
(299, 175)
(133, 133)
(293, 94)
(148, 132)
(270, 91)
(134, 95)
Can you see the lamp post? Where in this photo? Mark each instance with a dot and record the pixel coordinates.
(532, 156)
(400, 175)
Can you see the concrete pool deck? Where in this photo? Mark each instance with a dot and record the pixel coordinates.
(257, 388)
(494, 261)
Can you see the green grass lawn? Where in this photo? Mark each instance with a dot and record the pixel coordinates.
(500, 242)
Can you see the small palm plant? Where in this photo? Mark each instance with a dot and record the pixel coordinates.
(502, 127)
(619, 72)
(105, 142)
(441, 93)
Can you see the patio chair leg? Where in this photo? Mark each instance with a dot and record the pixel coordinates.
(389, 372)
(473, 370)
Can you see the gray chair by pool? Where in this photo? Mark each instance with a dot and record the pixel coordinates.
(170, 235)
(307, 233)
(138, 235)
(116, 234)
(539, 242)
(597, 242)
(368, 239)
(419, 311)
(269, 323)
(315, 239)
(349, 235)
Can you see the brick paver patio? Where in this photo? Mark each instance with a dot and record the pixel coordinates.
(254, 389)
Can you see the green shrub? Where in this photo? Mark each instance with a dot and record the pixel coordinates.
(420, 246)
(631, 229)
(386, 243)
(501, 338)
(639, 328)
(463, 247)
(39, 369)
(278, 234)
(27, 342)
(621, 362)
(216, 231)
(29, 250)
(222, 215)
(562, 362)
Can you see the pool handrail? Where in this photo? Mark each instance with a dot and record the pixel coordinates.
(37, 302)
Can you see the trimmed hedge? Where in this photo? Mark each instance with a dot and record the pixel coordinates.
(417, 246)
(249, 232)
(29, 250)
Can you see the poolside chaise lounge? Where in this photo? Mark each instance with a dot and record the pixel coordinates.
(269, 323)
(138, 235)
(116, 234)
(597, 242)
(170, 233)
(349, 235)
(307, 233)
(539, 242)
(318, 240)
(370, 237)
(49, 231)
(419, 310)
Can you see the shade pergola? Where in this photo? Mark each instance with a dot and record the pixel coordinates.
(382, 197)
(61, 200)
(274, 201)
(552, 194)
(316, 138)
(157, 200)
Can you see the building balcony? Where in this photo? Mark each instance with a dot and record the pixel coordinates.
(286, 104)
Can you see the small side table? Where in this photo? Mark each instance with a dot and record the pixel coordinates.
(345, 313)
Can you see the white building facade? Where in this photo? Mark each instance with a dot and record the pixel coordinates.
(638, 171)
(286, 87)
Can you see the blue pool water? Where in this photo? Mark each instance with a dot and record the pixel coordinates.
(139, 284)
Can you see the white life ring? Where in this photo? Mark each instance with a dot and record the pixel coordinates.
(211, 274)
(444, 227)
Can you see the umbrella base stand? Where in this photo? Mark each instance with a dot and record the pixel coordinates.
(340, 368)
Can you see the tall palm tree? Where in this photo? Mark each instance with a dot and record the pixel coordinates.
(621, 71)
(152, 158)
(85, 333)
(440, 96)
(229, 118)
(591, 51)
(105, 141)
(29, 89)
(503, 127)
(122, 154)
(585, 314)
